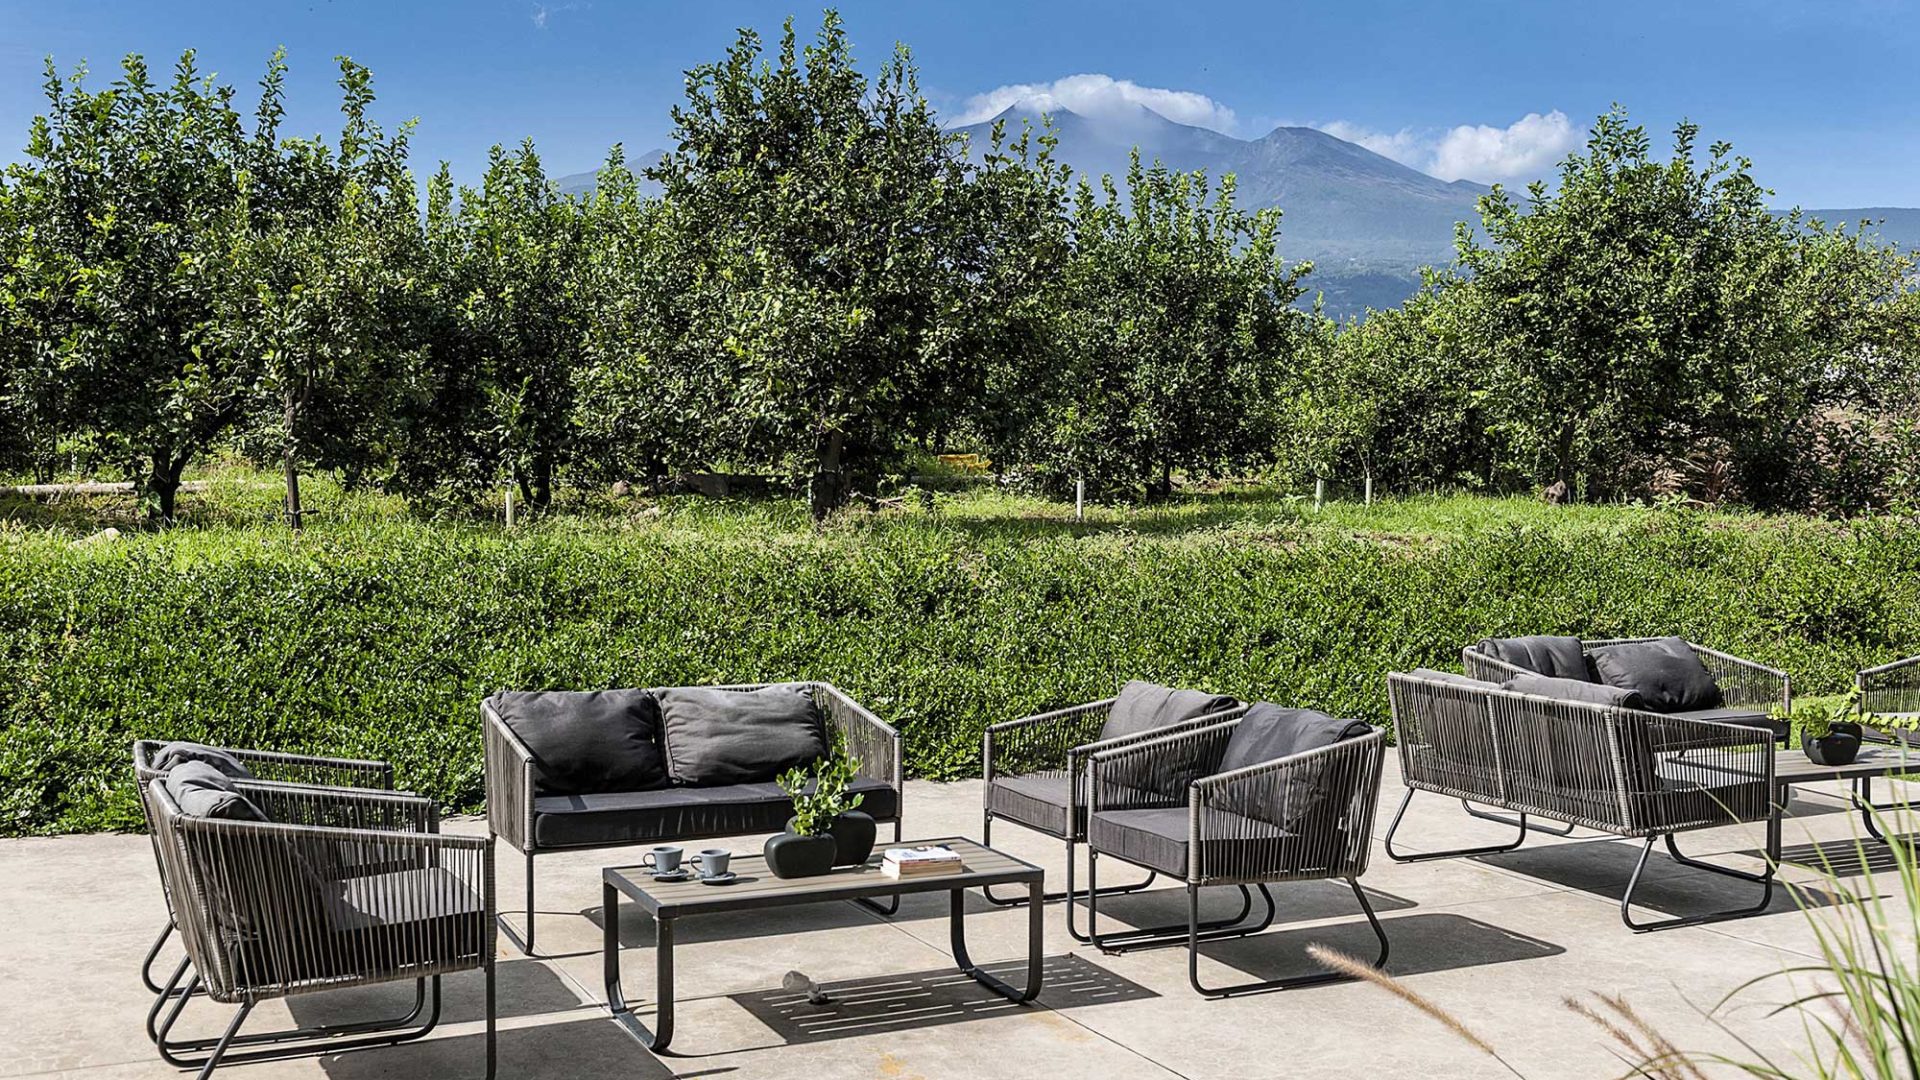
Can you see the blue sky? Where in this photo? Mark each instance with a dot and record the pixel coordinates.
(1822, 96)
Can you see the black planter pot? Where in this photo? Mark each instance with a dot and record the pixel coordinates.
(1838, 747)
(791, 855)
(853, 833)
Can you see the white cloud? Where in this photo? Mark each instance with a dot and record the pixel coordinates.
(1524, 149)
(1094, 95)
(1402, 146)
(543, 13)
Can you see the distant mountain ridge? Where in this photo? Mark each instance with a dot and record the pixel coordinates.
(1367, 222)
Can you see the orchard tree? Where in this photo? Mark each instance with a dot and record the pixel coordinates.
(1175, 338)
(135, 204)
(823, 220)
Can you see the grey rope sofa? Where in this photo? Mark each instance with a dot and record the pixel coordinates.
(281, 890)
(681, 803)
(1034, 768)
(1622, 771)
(1270, 795)
(150, 760)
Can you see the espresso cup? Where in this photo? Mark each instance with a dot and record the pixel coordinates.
(663, 860)
(713, 862)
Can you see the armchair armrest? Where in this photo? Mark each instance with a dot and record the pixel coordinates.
(509, 767)
(346, 808)
(1678, 773)
(1889, 689)
(1043, 741)
(261, 916)
(1745, 682)
(872, 743)
(288, 768)
(1308, 815)
(1154, 773)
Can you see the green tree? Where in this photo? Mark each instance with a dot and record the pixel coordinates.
(1175, 336)
(1645, 309)
(824, 220)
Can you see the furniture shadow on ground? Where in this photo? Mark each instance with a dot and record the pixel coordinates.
(524, 988)
(1845, 858)
(591, 1048)
(1601, 868)
(1436, 941)
(1293, 901)
(925, 999)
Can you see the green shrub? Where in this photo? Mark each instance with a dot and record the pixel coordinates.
(379, 638)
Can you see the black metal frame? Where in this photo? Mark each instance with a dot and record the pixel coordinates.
(659, 1037)
(510, 791)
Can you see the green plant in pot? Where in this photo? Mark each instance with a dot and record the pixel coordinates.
(1828, 733)
(827, 828)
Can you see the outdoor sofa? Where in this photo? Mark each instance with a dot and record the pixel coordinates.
(1597, 763)
(1737, 691)
(581, 770)
(281, 890)
(1035, 768)
(1269, 795)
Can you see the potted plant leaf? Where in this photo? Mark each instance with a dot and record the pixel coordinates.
(1828, 735)
(827, 828)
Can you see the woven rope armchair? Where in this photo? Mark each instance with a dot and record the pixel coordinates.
(1624, 772)
(1034, 771)
(513, 801)
(264, 765)
(1890, 689)
(338, 888)
(1304, 817)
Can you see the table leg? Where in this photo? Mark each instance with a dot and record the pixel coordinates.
(1779, 808)
(661, 1034)
(1863, 799)
(1036, 925)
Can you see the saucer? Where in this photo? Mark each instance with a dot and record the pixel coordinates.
(719, 879)
(681, 874)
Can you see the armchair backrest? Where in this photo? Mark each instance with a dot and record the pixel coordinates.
(1304, 815)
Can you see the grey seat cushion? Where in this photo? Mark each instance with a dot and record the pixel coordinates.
(1543, 654)
(1666, 672)
(723, 737)
(682, 813)
(175, 753)
(203, 791)
(1294, 799)
(1161, 840)
(588, 741)
(1039, 801)
(1574, 690)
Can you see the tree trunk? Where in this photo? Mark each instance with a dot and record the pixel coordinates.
(542, 493)
(1160, 488)
(827, 491)
(292, 463)
(164, 485)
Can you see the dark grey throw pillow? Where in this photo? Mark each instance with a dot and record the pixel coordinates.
(202, 791)
(176, 752)
(586, 742)
(1667, 673)
(1293, 799)
(1143, 706)
(1575, 690)
(1559, 657)
(740, 737)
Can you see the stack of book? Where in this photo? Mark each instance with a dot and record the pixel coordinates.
(920, 862)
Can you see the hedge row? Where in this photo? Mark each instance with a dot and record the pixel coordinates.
(380, 642)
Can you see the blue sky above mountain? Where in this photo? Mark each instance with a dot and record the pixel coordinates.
(1818, 93)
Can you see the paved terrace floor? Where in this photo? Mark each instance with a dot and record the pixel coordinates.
(1497, 940)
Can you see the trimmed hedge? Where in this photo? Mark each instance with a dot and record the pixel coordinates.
(380, 641)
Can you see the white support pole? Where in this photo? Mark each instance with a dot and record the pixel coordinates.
(1369, 489)
(1319, 492)
(509, 506)
(1079, 500)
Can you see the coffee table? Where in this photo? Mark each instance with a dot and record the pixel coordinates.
(754, 887)
(1792, 767)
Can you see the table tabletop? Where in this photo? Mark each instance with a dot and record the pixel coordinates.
(1874, 759)
(754, 886)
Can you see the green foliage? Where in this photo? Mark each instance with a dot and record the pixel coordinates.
(376, 635)
(819, 795)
